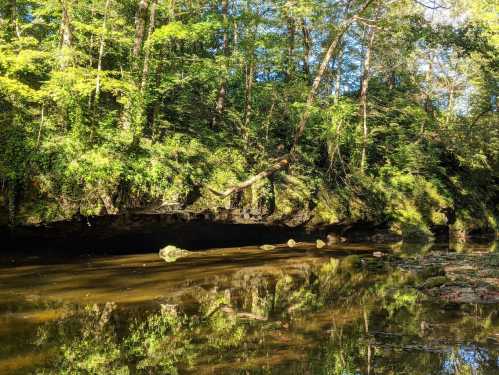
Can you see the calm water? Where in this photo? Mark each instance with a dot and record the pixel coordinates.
(236, 311)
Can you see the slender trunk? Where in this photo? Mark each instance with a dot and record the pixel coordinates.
(66, 34)
(140, 24)
(145, 69)
(250, 68)
(337, 78)
(450, 104)
(101, 53)
(14, 20)
(236, 34)
(90, 56)
(306, 50)
(291, 48)
(363, 94)
(428, 104)
(220, 106)
(42, 120)
(172, 10)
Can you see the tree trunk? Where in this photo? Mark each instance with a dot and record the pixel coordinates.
(140, 24)
(306, 50)
(291, 24)
(152, 22)
(220, 106)
(101, 53)
(363, 94)
(14, 21)
(66, 34)
(250, 70)
(337, 78)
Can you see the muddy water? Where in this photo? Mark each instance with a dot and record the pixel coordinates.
(238, 311)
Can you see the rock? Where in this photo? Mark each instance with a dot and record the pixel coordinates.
(291, 243)
(267, 247)
(334, 239)
(434, 282)
(320, 244)
(171, 253)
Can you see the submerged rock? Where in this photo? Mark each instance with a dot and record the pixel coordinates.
(171, 253)
(320, 244)
(291, 243)
(267, 247)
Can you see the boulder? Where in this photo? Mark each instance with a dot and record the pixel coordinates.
(320, 244)
(171, 253)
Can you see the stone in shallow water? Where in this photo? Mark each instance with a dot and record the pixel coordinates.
(267, 247)
(320, 244)
(171, 253)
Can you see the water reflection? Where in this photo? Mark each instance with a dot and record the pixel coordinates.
(238, 311)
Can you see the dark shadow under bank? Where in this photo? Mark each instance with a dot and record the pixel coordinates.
(144, 233)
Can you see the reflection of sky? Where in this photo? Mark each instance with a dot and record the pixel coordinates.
(469, 356)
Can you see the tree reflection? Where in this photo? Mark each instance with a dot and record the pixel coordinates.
(341, 316)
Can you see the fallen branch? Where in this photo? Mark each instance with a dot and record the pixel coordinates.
(281, 164)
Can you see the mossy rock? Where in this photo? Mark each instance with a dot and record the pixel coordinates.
(434, 282)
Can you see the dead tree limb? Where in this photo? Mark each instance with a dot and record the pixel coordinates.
(282, 163)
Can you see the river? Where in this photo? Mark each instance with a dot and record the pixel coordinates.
(238, 311)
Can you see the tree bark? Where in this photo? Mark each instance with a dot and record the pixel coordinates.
(306, 50)
(101, 52)
(140, 24)
(14, 20)
(337, 78)
(363, 94)
(66, 34)
(220, 106)
(250, 68)
(291, 24)
(152, 22)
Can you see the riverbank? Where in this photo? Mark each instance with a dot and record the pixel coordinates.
(191, 230)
